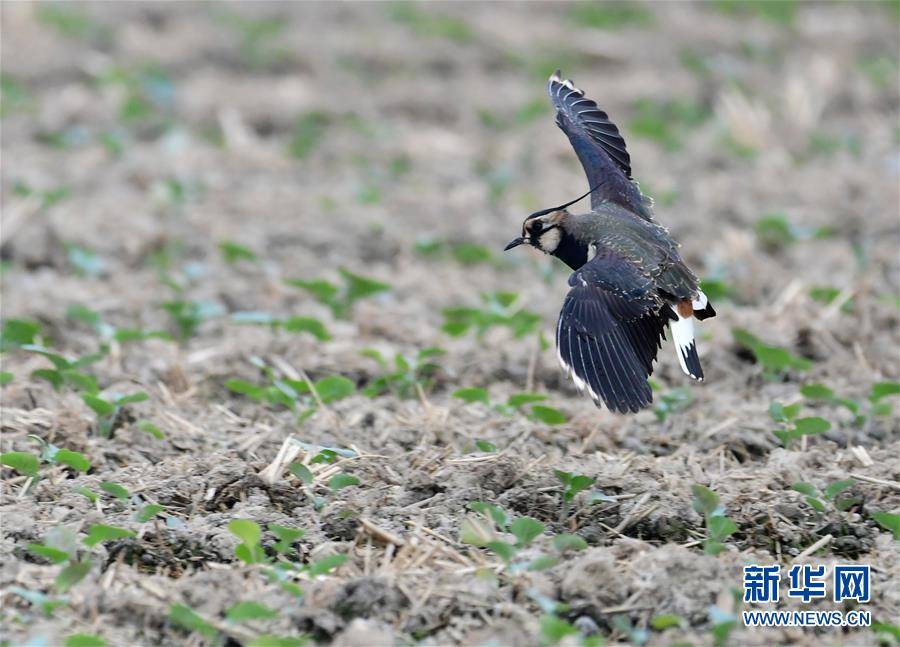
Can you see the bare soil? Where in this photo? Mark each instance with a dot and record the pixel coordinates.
(414, 125)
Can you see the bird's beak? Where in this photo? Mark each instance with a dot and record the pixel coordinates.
(515, 242)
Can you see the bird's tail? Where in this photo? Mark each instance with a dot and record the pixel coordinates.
(683, 333)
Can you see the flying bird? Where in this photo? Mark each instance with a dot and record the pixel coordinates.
(629, 282)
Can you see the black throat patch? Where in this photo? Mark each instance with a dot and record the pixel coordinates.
(570, 251)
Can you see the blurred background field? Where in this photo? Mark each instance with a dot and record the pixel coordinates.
(225, 225)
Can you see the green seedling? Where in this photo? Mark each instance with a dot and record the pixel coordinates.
(519, 402)
(889, 521)
(109, 408)
(66, 372)
(717, 290)
(426, 23)
(6, 378)
(500, 309)
(19, 332)
(340, 299)
(573, 484)
(718, 526)
(187, 316)
(84, 640)
(635, 635)
(831, 495)
(791, 427)
(246, 611)
(775, 361)
(233, 252)
(14, 96)
(289, 393)
(489, 527)
(672, 401)
(309, 325)
(91, 318)
(249, 550)
(462, 252)
(148, 95)
(407, 376)
(46, 197)
(611, 16)
(309, 128)
(187, 618)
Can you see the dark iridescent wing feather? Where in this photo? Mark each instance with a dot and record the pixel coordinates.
(598, 145)
(609, 332)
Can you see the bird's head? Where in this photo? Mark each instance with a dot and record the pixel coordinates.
(542, 230)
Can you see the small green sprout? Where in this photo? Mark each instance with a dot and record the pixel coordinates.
(611, 16)
(24, 463)
(233, 252)
(187, 316)
(499, 309)
(245, 611)
(99, 533)
(408, 374)
(718, 526)
(187, 618)
(889, 521)
(774, 360)
(791, 427)
(249, 550)
(17, 333)
(309, 129)
(108, 410)
(340, 299)
(573, 483)
(832, 494)
(84, 640)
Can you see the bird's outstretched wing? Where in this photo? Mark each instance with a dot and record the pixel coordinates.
(609, 332)
(598, 144)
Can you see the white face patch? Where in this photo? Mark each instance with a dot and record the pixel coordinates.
(549, 239)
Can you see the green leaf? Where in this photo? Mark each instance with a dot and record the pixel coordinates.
(472, 394)
(884, 389)
(810, 426)
(6, 377)
(134, 398)
(233, 252)
(525, 530)
(889, 521)
(147, 512)
(326, 565)
(706, 502)
(837, 487)
(485, 446)
(307, 324)
(340, 481)
(100, 406)
(577, 483)
(23, 462)
(475, 531)
(335, 387)
(554, 629)
(542, 563)
(720, 527)
(244, 611)
(493, 512)
(712, 547)
(815, 504)
(54, 555)
(359, 287)
(149, 428)
(517, 400)
(86, 493)
(322, 291)
(665, 621)
(302, 472)
(567, 541)
(805, 488)
(99, 533)
(816, 392)
(84, 640)
(547, 415)
(72, 575)
(115, 490)
(245, 530)
(185, 617)
(75, 460)
(18, 332)
(286, 536)
(504, 551)
(246, 388)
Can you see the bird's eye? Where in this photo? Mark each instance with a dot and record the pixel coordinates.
(535, 227)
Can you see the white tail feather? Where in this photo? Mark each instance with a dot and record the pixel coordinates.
(683, 336)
